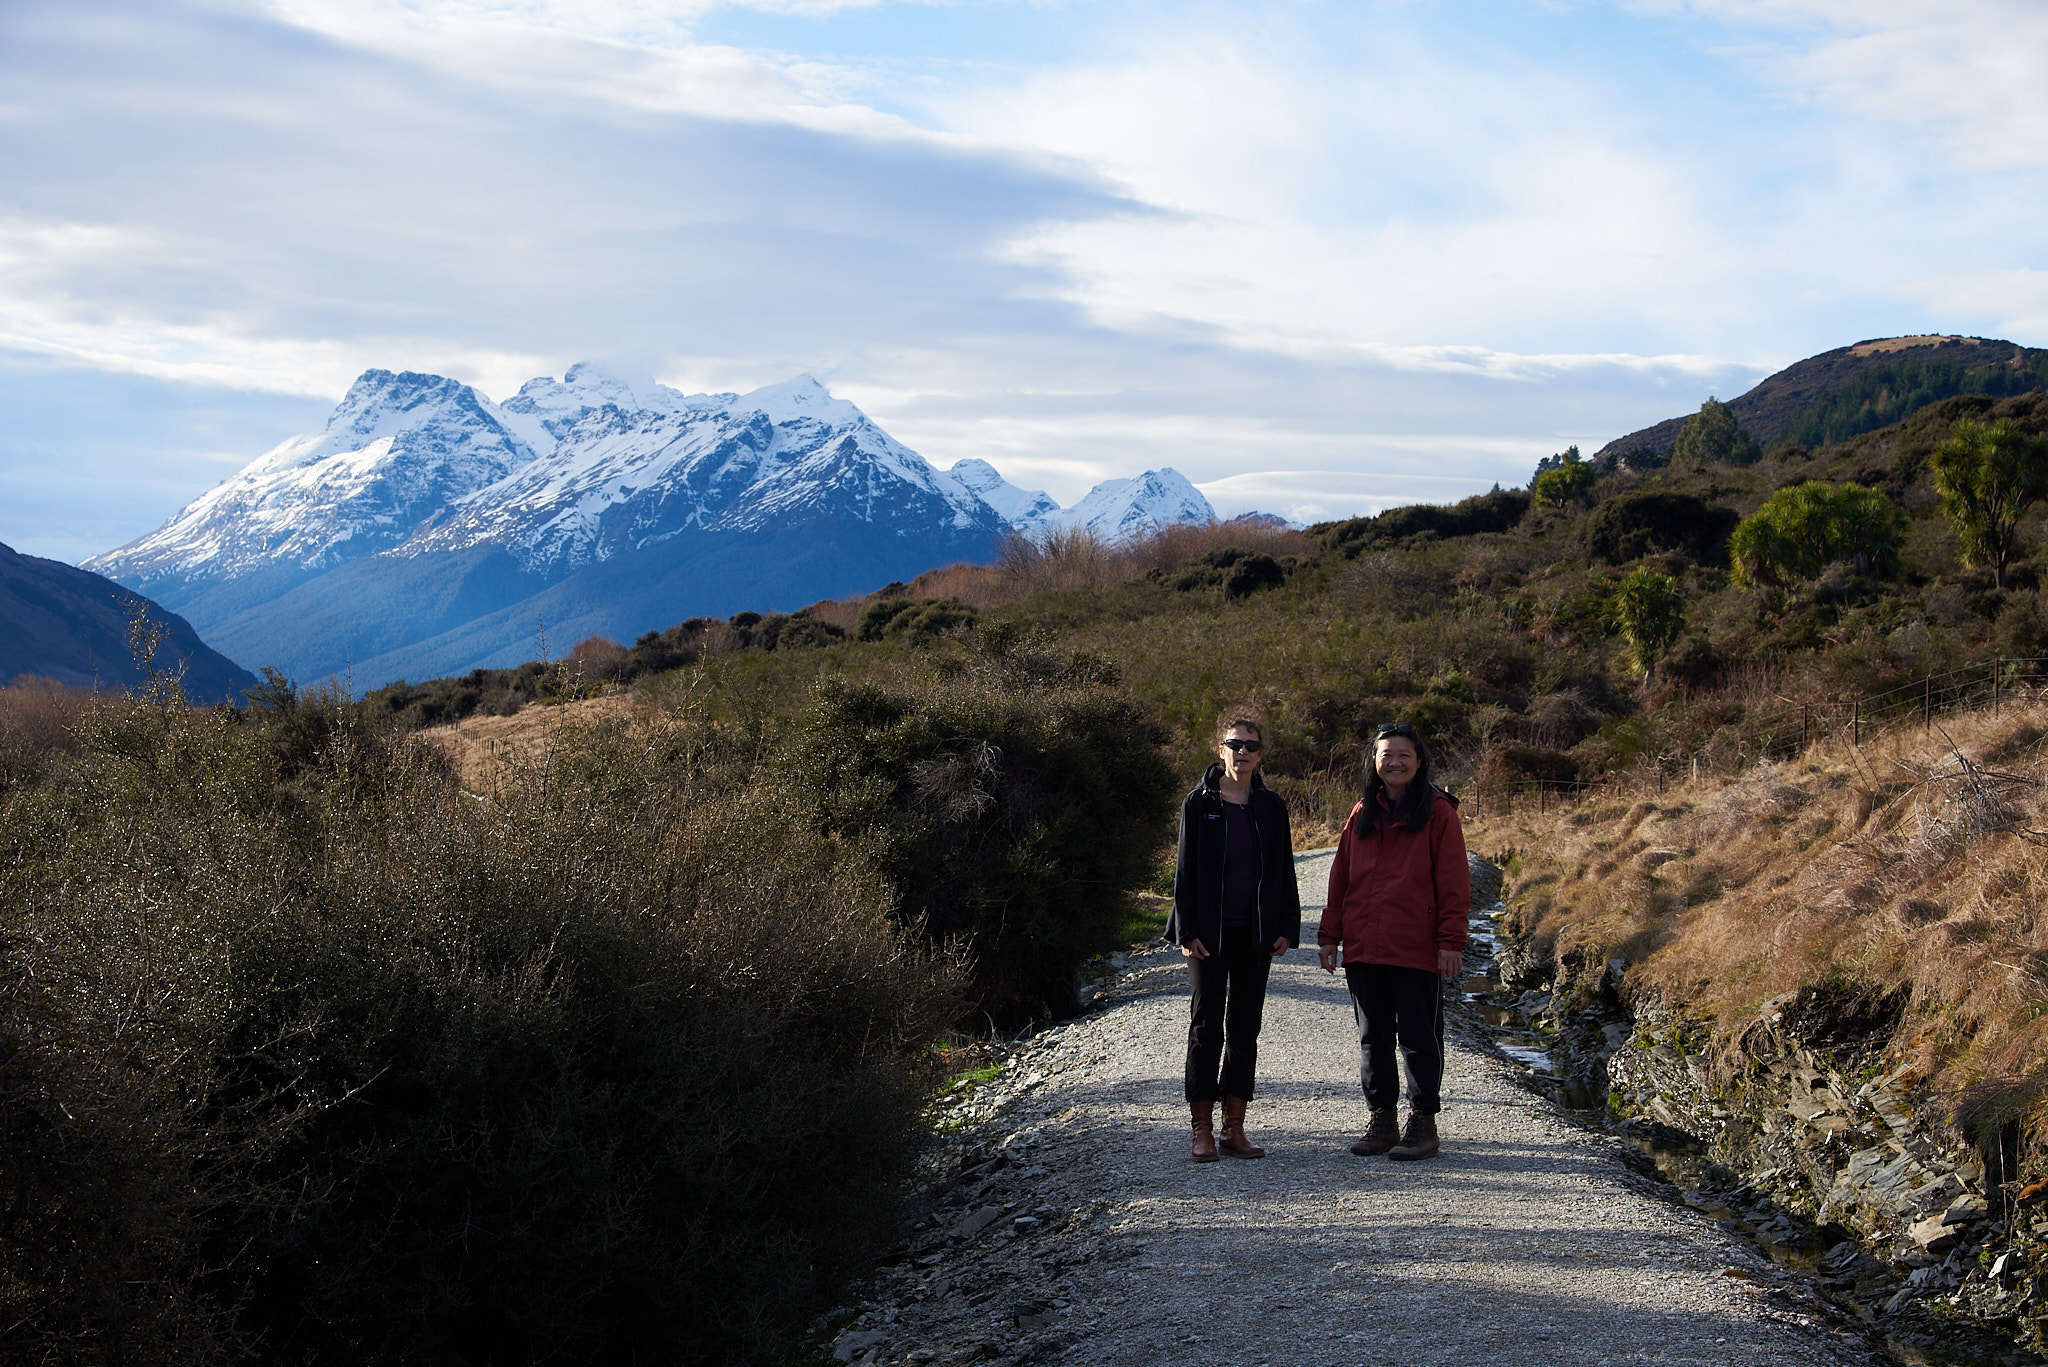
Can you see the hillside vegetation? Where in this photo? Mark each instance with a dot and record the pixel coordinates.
(533, 1013)
(1899, 879)
(1499, 624)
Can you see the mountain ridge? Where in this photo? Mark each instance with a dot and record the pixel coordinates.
(1838, 394)
(70, 625)
(428, 527)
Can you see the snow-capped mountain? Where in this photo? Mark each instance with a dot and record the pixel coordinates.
(1114, 510)
(621, 479)
(1118, 509)
(398, 450)
(1021, 508)
(426, 530)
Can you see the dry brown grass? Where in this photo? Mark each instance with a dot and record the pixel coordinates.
(39, 725)
(1079, 560)
(489, 752)
(1911, 868)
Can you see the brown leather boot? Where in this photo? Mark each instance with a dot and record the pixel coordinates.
(1205, 1130)
(1381, 1134)
(1418, 1140)
(1234, 1143)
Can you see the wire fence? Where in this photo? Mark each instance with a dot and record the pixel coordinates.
(1787, 731)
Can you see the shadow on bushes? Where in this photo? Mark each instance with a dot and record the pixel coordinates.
(306, 1055)
(1014, 797)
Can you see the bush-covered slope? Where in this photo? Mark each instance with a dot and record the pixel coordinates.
(1855, 389)
(306, 1056)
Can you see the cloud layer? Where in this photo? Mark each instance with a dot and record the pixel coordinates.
(1322, 259)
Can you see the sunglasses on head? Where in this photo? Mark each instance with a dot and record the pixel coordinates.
(1251, 745)
(1395, 728)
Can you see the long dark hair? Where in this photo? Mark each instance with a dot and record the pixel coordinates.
(1415, 804)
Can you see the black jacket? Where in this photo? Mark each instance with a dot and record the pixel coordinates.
(1198, 869)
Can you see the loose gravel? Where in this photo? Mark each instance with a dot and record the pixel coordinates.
(1066, 1224)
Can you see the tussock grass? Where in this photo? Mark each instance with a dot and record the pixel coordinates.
(1902, 880)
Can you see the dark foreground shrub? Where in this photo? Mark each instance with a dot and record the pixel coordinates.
(1014, 799)
(360, 1068)
(1630, 526)
(1497, 511)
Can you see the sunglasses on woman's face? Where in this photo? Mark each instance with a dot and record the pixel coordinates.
(1250, 745)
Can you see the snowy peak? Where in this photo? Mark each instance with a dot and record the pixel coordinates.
(1015, 506)
(632, 467)
(1118, 509)
(399, 449)
(558, 405)
(799, 399)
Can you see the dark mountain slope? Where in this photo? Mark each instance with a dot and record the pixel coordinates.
(67, 624)
(1854, 389)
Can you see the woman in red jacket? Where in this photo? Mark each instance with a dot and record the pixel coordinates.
(1400, 893)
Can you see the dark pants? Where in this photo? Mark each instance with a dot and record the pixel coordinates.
(1229, 1000)
(1404, 1006)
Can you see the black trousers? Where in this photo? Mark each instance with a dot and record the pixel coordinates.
(1404, 1007)
(1229, 1000)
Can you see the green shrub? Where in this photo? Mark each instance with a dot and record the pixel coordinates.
(921, 621)
(1630, 526)
(1567, 483)
(1651, 613)
(1497, 511)
(1987, 475)
(1014, 799)
(376, 1071)
(1712, 436)
(1802, 530)
(1239, 572)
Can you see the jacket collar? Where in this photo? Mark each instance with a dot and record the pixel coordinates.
(1212, 781)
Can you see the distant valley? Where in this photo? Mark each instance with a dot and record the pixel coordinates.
(427, 531)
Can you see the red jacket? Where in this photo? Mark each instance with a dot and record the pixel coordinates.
(1398, 896)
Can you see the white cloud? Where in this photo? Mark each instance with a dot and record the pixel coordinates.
(1963, 75)
(1277, 238)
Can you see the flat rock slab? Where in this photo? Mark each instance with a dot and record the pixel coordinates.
(1525, 1241)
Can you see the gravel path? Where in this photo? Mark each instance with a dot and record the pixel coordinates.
(1070, 1226)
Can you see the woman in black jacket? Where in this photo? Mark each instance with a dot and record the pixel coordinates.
(1235, 909)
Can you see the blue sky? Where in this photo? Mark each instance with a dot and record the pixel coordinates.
(1321, 258)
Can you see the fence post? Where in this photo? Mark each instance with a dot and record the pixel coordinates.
(1927, 705)
(1997, 668)
(1856, 722)
(1803, 733)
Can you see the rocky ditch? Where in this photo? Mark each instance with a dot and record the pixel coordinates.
(1801, 1136)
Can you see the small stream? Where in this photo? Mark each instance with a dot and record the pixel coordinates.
(1518, 1028)
(1865, 1292)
